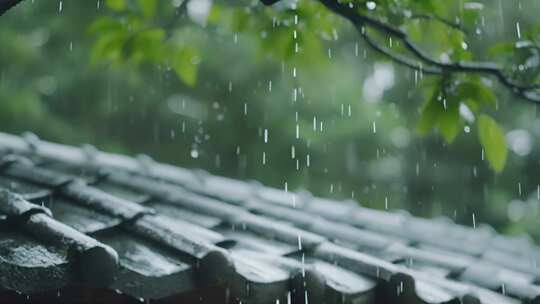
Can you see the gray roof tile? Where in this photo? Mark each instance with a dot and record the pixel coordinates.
(153, 231)
(147, 269)
(82, 219)
(98, 200)
(344, 284)
(22, 170)
(25, 190)
(24, 258)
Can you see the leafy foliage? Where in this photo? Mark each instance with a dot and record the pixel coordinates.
(200, 86)
(468, 96)
(133, 37)
(301, 33)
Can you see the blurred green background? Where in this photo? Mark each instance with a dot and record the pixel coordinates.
(335, 119)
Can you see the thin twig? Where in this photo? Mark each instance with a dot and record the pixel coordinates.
(454, 25)
(179, 13)
(399, 58)
(489, 68)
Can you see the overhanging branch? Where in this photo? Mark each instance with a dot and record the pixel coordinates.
(422, 61)
(7, 4)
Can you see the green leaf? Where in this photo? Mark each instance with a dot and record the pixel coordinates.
(428, 117)
(116, 5)
(215, 15)
(184, 63)
(147, 46)
(449, 121)
(148, 7)
(240, 21)
(104, 24)
(501, 49)
(109, 47)
(493, 141)
(443, 116)
(475, 94)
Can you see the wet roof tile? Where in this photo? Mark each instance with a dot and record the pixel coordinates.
(148, 270)
(29, 266)
(82, 219)
(152, 231)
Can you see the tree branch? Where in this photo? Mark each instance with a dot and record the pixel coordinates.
(434, 66)
(180, 12)
(456, 26)
(5, 5)
(399, 58)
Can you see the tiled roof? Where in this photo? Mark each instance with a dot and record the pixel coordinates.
(80, 217)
